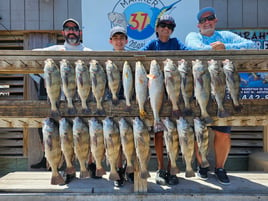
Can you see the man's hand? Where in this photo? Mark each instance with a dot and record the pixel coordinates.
(217, 45)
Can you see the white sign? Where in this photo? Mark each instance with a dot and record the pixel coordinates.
(137, 16)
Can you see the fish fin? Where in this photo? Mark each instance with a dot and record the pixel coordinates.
(151, 76)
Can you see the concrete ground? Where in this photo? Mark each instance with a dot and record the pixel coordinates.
(32, 185)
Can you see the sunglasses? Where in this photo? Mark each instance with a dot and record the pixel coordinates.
(70, 29)
(169, 26)
(204, 19)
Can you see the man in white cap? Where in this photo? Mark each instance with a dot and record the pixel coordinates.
(72, 34)
(209, 39)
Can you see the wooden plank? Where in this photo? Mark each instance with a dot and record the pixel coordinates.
(59, 17)
(17, 15)
(46, 13)
(247, 143)
(11, 82)
(32, 61)
(251, 128)
(39, 40)
(32, 15)
(205, 3)
(11, 135)
(32, 108)
(250, 19)
(25, 141)
(244, 150)
(5, 143)
(140, 185)
(5, 11)
(265, 138)
(262, 13)
(11, 90)
(247, 136)
(235, 13)
(74, 10)
(11, 151)
(221, 11)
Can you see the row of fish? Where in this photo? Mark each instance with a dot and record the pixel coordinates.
(197, 81)
(80, 139)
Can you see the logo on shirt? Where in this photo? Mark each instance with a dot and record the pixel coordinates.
(139, 19)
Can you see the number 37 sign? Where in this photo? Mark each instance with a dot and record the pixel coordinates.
(139, 17)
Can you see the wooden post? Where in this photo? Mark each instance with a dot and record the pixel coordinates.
(140, 185)
(265, 138)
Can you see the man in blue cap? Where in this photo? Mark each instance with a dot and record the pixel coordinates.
(209, 39)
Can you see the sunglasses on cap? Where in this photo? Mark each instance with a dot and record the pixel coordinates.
(202, 20)
(169, 26)
(70, 29)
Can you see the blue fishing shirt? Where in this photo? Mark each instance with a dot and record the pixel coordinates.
(197, 41)
(171, 44)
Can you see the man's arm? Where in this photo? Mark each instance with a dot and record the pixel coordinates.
(234, 41)
(194, 42)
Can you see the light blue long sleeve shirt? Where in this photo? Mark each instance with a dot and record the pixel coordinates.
(197, 41)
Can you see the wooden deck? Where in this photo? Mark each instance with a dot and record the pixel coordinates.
(28, 185)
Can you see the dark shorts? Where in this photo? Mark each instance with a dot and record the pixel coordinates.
(223, 129)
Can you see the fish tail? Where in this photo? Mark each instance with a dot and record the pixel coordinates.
(100, 171)
(84, 174)
(159, 126)
(128, 108)
(187, 112)
(205, 163)
(115, 100)
(145, 174)
(174, 170)
(189, 173)
(176, 113)
(129, 169)
(238, 108)
(223, 113)
(142, 114)
(70, 170)
(114, 176)
(57, 180)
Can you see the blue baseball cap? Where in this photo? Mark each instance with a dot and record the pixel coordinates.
(205, 10)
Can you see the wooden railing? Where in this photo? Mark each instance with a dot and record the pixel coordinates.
(30, 113)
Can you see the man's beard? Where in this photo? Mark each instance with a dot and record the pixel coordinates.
(72, 40)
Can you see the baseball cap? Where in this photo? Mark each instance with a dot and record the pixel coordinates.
(118, 29)
(70, 20)
(166, 19)
(205, 10)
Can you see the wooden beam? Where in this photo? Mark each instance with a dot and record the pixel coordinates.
(25, 61)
